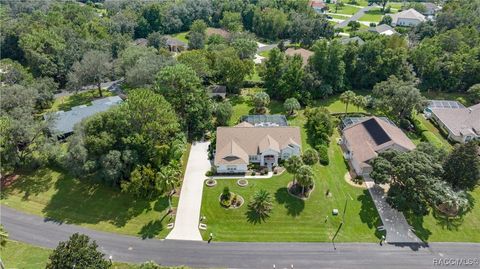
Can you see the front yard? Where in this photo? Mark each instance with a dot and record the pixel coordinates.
(55, 195)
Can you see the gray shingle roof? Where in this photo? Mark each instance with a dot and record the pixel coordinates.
(64, 121)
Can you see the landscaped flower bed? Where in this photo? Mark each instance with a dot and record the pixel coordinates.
(229, 199)
(298, 191)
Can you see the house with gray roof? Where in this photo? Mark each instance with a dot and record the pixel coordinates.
(383, 29)
(245, 143)
(175, 45)
(348, 40)
(409, 17)
(64, 121)
(461, 123)
(430, 9)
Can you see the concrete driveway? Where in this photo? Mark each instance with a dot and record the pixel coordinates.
(188, 210)
(355, 16)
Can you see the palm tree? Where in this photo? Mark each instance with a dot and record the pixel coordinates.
(292, 165)
(261, 203)
(170, 180)
(347, 98)
(360, 101)
(305, 177)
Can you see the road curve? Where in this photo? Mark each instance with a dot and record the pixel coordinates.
(36, 230)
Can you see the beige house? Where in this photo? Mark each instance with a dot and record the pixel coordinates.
(305, 54)
(462, 124)
(364, 140)
(409, 17)
(238, 146)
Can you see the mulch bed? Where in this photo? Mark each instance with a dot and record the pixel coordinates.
(295, 190)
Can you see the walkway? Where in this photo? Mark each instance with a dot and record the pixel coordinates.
(188, 210)
(36, 230)
(396, 226)
(355, 16)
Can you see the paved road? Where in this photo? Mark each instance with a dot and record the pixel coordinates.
(355, 16)
(188, 210)
(37, 231)
(397, 228)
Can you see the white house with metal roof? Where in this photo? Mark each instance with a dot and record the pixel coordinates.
(409, 17)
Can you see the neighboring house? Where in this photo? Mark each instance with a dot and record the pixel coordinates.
(217, 90)
(364, 140)
(243, 144)
(347, 40)
(461, 123)
(383, 29)
(64, 121)
(431, 9)
(409, 17)
(217, 31)
(175, 45)
(305, 54)
(141, 42)
(319, 6)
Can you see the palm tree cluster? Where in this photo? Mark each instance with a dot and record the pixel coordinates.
(349, 97)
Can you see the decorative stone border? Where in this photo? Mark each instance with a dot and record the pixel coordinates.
(242, 182)
(210, 182)
(239, 197)
(348, 179)
(290, 184)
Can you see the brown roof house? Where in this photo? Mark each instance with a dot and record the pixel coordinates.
(364, 140)
(461, 123)
(305, 54)
(244, 143)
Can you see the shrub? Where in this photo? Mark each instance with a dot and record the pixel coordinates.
(432, 139)
(226, 194)
(419, 126)
(310, 157)
(323, 154)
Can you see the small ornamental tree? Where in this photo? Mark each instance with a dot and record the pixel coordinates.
(347, 98)
(310, 157)
(290, 105)
(79, 253)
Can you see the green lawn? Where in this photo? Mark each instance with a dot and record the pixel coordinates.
(181, 36)
(339, 16)
(373, 15)
(84, 98)
(293, 219)
(348, 10)
(24, 256)
(264, 53)
(255, 76)
(433, 129)
(55, 195)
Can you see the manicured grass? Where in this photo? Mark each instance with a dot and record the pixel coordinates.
(339, 16)
(84, 98)
(181, 36)
(349, 10)
(465, 229)
(24, 256)
(264, 53)
(373, 15)
(57, 196)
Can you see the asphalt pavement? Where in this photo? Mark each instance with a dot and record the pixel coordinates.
(36, 230)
